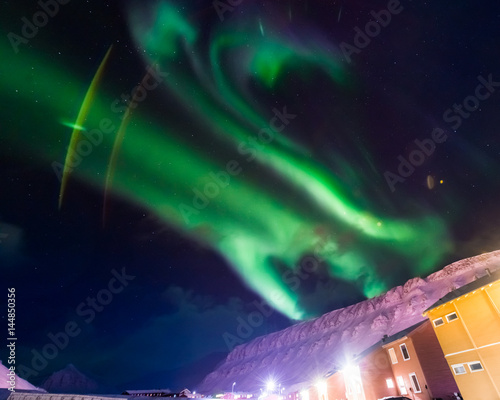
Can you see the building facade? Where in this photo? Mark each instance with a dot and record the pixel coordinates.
(409, 363)
(467, 324)
(418, 364)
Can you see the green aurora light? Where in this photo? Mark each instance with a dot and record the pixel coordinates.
(253, 226)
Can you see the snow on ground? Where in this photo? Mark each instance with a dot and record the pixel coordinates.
(306, 351)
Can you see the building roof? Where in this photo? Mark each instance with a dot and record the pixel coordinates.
(470, 287)
(389, 339)
(139, 392)
(4, 393)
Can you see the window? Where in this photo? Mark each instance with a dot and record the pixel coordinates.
(459, 369)
(438, 322)
(404, 351)
(392, 354)
(390, 383)
(452, 317)
(475, 366)
(401, 385)
(414, 382)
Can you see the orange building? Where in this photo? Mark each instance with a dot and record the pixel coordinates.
(418, 364)
(467, 324)
(409, 363)
(364, 379)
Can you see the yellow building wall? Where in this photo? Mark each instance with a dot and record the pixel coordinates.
(494, 292)
(473, 385)
(475, 336)
(451, 335)
(491, 359)
(480, 317)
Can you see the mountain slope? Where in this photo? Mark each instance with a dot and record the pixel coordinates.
(308, 350)
(21, 384)
(70, 380)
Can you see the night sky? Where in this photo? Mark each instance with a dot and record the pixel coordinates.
(170, 169)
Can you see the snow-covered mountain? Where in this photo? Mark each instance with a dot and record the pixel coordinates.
(306, 351)
(21, 384)
(70, 380)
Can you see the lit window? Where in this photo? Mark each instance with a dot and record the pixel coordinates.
(392, 354)
(390, 383)
(401, 385)
(438, 322)
(452, 317)
(414, 382)
(404, 351)
(475, 366)
(459, 369)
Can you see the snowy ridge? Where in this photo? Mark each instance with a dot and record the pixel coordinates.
(21, 384)
(309, 349)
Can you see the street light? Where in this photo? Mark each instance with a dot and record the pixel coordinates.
(232, 390)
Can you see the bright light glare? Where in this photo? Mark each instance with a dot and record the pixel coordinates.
(351, 369)
(321, 385)
(304, 395)
(270, 385)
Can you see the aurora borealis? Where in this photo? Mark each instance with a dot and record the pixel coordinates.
(252, 244)
(224, 107)
(250, 138)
